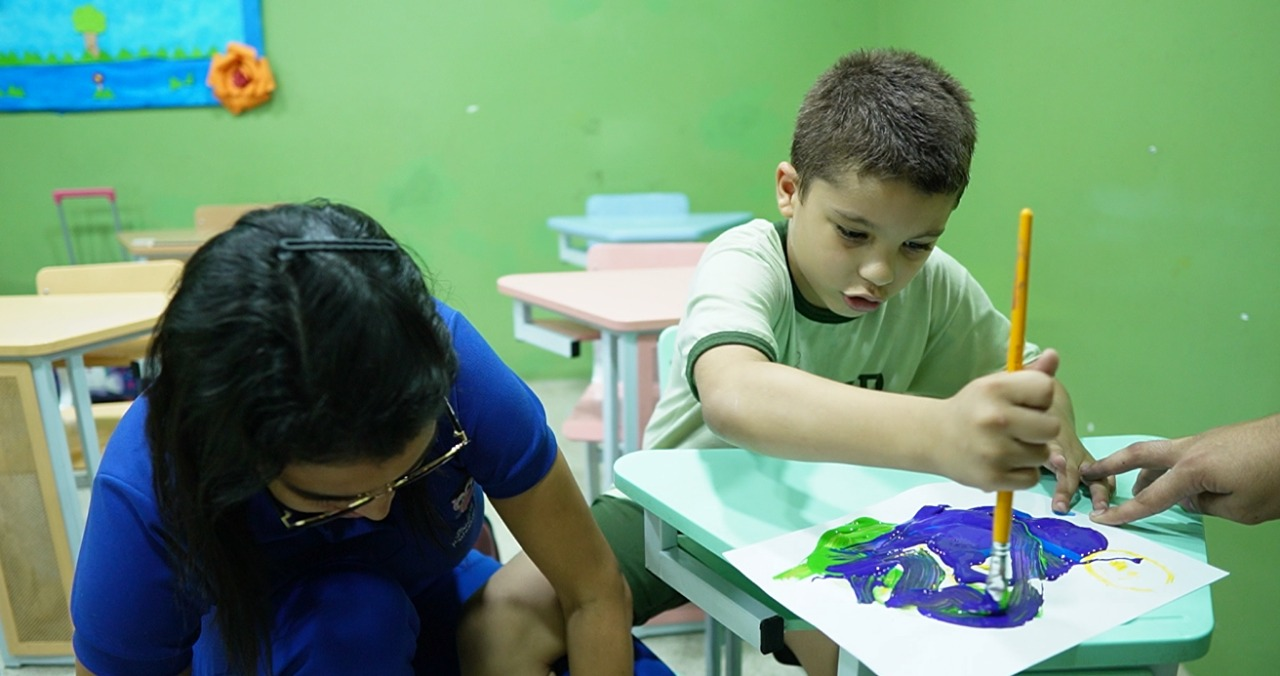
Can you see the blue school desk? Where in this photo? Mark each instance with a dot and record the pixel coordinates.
(701, 503)
(676, 227)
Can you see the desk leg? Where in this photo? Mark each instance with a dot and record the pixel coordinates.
(628, 363)
(730, 606)
(59, 452)
(529, 331)
(608, 346)
(79, 383)
(571, 254)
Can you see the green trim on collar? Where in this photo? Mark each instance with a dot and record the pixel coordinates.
(806, 309)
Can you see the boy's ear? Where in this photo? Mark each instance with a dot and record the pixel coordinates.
(787, 186)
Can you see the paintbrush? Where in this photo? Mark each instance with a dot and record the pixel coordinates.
(999, 573)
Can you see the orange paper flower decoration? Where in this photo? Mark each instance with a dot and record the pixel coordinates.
(240, 79)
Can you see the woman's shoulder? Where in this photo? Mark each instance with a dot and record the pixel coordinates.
(126, 461)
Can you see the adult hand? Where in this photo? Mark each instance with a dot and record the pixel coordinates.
(1232, 472)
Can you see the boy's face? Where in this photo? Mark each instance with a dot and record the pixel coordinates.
(854, 243)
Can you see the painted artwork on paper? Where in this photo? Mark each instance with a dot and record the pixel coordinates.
(82, 55)
(936, 562)
(903, 575)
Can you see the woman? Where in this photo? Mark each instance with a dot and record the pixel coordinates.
(299, 489)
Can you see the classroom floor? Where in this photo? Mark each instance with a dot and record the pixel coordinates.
(683, 652)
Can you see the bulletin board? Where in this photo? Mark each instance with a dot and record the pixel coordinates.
(84, 55)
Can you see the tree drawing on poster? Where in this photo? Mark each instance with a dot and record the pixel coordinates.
(83, 55)
(911, 571)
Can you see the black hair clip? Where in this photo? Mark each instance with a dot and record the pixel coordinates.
(291, 245)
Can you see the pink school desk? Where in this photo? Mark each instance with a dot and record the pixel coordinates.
(621, 305)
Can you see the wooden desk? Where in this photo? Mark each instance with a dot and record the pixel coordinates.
(619, 304)
(701, 503)
(144, 244)
(41, 522)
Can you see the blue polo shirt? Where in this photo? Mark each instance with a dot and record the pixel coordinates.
(130, 616)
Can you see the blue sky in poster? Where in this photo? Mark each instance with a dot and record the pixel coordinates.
(44, 26)
(152, 53)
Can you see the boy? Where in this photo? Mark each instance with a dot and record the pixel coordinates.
(843, 334)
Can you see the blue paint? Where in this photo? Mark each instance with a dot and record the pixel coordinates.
(903, 568)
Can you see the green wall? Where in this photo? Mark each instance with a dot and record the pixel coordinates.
(572, 97)
(1142, 133)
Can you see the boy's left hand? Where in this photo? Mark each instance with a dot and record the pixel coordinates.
(1066, 454)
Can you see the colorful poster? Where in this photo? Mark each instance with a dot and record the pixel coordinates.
(79, 55)
(901, 585)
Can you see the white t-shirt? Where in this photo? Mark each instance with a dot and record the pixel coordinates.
(935, 336)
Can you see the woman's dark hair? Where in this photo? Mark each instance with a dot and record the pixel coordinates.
(282, 344)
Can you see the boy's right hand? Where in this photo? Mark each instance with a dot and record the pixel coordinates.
(998, 429)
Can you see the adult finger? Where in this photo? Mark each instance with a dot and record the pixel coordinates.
(1156, 453)
(1162, 494)
(1145, 478)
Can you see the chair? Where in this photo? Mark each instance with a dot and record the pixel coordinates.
(212, 219)
(619, 218)
(585, 422)
(60, 195)
(134, 276)
(129, 277)
(487, 544)
(180, 243)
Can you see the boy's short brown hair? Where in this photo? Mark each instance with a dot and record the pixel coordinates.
(887, 114)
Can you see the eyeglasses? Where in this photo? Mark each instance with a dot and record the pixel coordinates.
(291, 519)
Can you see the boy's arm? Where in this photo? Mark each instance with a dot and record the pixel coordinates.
(993, 434)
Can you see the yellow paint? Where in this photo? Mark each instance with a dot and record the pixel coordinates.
(1113, 568)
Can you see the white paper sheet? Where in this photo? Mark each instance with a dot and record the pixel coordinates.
(1130, 577)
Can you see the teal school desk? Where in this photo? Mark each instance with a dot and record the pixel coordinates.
(701, 503)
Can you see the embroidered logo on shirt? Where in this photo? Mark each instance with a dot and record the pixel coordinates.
(462, 501)
(870, 381)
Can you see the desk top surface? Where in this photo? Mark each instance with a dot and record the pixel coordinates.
(759, 497)
(640, 299)
(153, 243)
(648, 229)
(32, 326)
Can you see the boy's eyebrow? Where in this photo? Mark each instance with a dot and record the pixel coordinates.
(854, 218)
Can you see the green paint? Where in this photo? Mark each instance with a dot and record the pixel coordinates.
(858, 531)
(891, 578)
